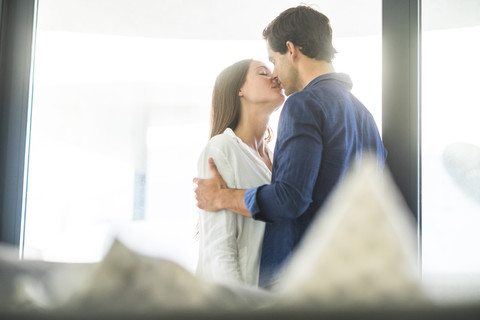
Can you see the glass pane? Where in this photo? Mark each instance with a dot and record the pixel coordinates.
(451, 144)
(121, 112)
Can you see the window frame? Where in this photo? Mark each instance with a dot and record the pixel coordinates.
(401, 100)
(17, 25)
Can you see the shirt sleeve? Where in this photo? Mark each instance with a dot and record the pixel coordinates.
(296, 164)
(218, 230)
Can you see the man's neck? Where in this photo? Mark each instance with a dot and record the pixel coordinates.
(310, 69)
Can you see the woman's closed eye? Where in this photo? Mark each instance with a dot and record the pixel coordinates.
(266, 74)
(262, 71)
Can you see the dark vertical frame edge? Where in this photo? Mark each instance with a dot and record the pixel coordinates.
(17, 22)
(401, 52)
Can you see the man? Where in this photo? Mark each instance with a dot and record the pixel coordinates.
(322, 129)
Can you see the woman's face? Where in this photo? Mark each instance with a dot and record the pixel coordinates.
(261, 87)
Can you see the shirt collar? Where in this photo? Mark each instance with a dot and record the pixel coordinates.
(232, 134)
(342, 78)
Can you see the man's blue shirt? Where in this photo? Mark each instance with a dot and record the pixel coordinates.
(322, 129)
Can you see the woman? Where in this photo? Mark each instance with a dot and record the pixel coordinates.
(244, 96)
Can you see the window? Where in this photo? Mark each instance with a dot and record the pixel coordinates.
(451, 142)
(121, 112)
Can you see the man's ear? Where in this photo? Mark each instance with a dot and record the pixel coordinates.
(292, 50)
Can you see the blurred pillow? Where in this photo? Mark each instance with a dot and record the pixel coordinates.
(360, 250)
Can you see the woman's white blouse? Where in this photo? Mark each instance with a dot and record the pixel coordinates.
(229, 244)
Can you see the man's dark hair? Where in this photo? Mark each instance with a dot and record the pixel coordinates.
(306, 28)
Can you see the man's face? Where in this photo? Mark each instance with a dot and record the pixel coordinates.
(284, 70)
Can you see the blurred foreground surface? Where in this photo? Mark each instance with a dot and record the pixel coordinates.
(357, 260)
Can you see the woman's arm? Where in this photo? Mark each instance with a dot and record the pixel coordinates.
(213, 194)
(218, 231)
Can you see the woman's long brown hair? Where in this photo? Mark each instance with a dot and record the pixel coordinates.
(226, 108)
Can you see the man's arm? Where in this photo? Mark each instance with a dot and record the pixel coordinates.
(213, 194)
